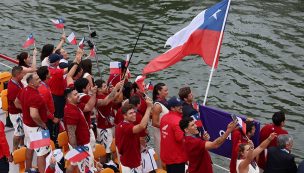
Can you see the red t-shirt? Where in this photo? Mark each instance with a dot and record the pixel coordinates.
(74, 116)
(128, 144)
(264, 134)
(30, 97)
(13, 89)
(57, 83)
(106, 111)
(119, 118)
(84, 99)
(46, 94)
(171, 142)
(236, 139)
(198, 156)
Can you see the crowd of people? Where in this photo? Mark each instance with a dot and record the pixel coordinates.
(64, 96)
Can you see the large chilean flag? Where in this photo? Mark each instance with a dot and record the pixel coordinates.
(200, 37)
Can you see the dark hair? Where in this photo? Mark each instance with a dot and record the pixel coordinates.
(184, 123)
(241, 149)
(77, 70)
(42, 72)
(86, 65)
(99, 83)
(57, 51)
(81, 84)
(134, 100)
(157, 88)
(68, 91)
(22, 57)
(16, 70)
(126, 107)
(249, 126)
(278, 118)
(184, 92)
(29, 78)
(46, 51)
(127, 88)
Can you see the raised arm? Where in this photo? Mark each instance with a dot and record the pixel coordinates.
(263, 145)
(91, 103)
(111, 96)
(62, 40)
(72, 71)
(220, 140)
(144, 121)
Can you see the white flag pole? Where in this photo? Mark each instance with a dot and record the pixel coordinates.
(216, 52)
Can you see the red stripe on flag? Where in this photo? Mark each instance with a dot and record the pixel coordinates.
(201, 42)
(79, 157)
(40, 143)
(115, 71)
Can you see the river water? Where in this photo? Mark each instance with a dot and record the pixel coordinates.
(261, 66)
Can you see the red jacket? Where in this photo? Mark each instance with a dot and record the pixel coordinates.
(4, 148)
(171, 142)
(236, 139)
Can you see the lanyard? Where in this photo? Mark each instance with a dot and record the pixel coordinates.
(16, 83)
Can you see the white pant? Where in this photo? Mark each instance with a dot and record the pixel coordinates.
(125, 169)
(40, 151)
(105, 137)
(17, 121)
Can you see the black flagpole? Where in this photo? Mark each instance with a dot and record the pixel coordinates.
(133, 51)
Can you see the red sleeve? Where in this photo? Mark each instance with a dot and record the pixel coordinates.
(70, 117)
(50, 170)
(236, 140)
(178, 133)
(3, 142)
(118, 117)
(36, 102)
(81, 106)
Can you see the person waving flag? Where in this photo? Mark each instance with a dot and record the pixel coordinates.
(203, 36)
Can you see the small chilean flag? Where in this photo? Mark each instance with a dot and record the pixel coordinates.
(149, 86)
(242, 125)
(72, 38)
(59, 23)
(140, 81)
(30, 40)
(81, 43)
(77, 154)
(127, 60)
(115, 67)
(92, 52)
(39, 139)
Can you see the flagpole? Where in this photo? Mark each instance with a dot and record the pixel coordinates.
(217, 51)
(142, 28)
(95, 49)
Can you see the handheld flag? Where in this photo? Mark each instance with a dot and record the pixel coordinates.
(72, 39)
(115, 67)
(140, 81)
(39, 139)
(127, 60)
(30, 40)
(77, 154)
(149, 86)
(81, 43)
(92, 53)
(203, 36)
(59, 23)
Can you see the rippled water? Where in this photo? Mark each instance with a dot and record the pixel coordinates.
(261, 62)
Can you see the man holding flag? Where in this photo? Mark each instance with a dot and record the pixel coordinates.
(35, 115)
